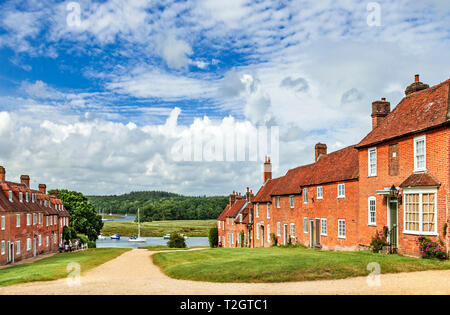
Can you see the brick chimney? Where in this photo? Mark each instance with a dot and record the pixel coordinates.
(232, 198)
(321, 149)
(43, 188)
(25, 179)
(416, 86)
(267, 169)
(55, 193)
(380, 109)
(2, 174)
(249, 195)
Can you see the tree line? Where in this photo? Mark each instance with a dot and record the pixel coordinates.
(161, 205)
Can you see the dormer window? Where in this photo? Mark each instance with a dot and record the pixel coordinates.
(45, 203)
(21, 196)
(11, 196)
(27, 197)
(33, 198)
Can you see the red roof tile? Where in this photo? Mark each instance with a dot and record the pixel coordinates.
(235, 207)
(223, 214)
(337, 166)
(420, 179)
(265, 191)
(416, 112)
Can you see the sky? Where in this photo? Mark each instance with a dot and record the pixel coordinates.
(108, 97)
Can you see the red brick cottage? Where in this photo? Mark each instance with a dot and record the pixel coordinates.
(31, 221)
(397, 176)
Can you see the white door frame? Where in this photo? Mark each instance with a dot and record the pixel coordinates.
(311, 233)
(388, 213)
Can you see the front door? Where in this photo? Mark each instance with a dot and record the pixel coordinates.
(34, 246)
(311, 233)
(393, 222)
(317, 230)
(262, 235)
(285, 233)
(11, 252)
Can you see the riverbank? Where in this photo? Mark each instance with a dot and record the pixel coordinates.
(191, 228)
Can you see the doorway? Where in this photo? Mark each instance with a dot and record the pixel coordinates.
(393, 221)
(34, 247)
(317, 233)
(311, 233)
(262, 235)
(285, 233)
(11, 252)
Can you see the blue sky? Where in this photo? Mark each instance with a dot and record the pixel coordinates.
(97, 105)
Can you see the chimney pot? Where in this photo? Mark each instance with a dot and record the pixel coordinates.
(320, 149)
(2, 174)
(380, 109)
(416, 78)
(267, 170)
(25, 179)
(43, 188)
(416, 86)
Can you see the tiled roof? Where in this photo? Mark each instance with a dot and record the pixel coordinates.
(337, 166)
(235, 207)
(265, 191)
(245, 216)
(416, 112)
(420, 179)
(223, 214)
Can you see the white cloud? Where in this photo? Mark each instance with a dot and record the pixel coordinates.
(174, 51)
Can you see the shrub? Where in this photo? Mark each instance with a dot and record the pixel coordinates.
(274, 239)
(176, 241)
(213, 237)
(379, 240)
(242, 236)
(92, 244)
(430, 249)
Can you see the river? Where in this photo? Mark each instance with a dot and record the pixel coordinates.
(151, 241)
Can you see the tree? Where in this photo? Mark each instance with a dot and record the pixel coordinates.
(83, 217)
(213, 237)
(176, 241)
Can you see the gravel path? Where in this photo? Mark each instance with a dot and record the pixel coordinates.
(134, 273)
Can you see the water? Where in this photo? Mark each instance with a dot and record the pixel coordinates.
(125, 218)
(151, 241)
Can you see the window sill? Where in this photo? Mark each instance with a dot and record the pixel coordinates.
(372, 224)
(370, 176)
(341, 197)
(323, 234)
(319, 198)
(342, 237)
(420, 233)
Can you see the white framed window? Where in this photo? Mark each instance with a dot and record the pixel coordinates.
(10, 196)
(420, 156)
(28, 219)
(28, 244)
(218, 224)
(3, 248)
(47, 241)
(319, 192)
(34, 218)
(292, 230)
(257, 210)
(39, 240)
(305, 225)
(372, 214)
(268, 233)
(372, 162)
(27, 197)
(305, 195)
(17, 247)
(278, 202)
(18, 220)
(341, 190)
(341, 228)
(46, 221)
(33, 197)
(268, 210)
(323, 227)
(3, 222)
(278, 229)
(420, 212)
(291, 202)
(40, 218)
(21, 196)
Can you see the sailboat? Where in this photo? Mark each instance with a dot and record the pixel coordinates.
(137, 238)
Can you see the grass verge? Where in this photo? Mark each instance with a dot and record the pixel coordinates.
(283, 264)
(54, 267)
(160, 228)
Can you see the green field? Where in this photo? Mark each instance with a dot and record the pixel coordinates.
(55, 267)
(282, 264)
(165, 247)
(160, 228)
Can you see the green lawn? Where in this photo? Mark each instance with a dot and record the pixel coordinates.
(160, 228)
(282, 264)
(165, 247)
(54, 267)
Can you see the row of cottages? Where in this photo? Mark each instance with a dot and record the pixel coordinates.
(397, 177)
(31, 220)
